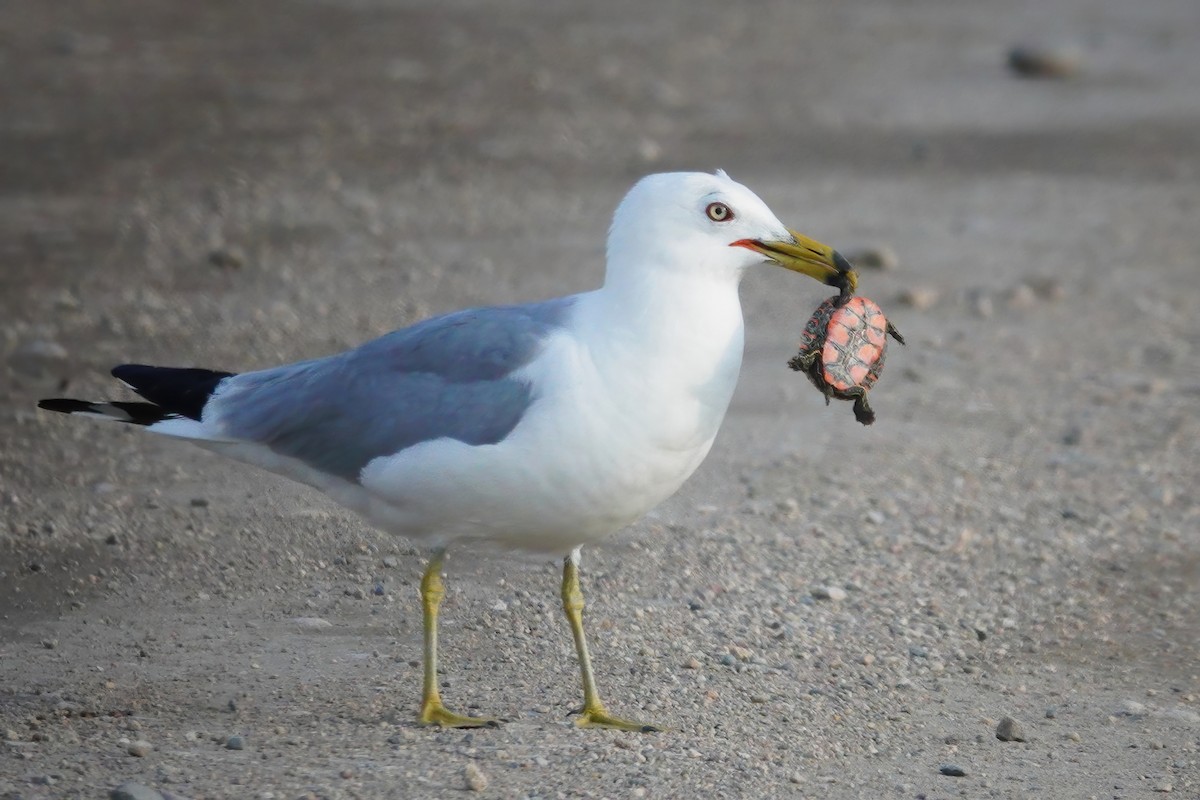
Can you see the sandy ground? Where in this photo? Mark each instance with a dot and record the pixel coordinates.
(234, 184)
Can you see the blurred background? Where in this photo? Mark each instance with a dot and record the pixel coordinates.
(243, 151)
(234, 184)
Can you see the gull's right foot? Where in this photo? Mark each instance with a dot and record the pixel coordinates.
(437, 714)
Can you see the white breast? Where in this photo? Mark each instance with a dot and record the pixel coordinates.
(618, 424)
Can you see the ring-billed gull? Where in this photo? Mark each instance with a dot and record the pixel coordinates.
(542, 427)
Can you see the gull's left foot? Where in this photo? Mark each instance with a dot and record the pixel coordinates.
(598, 717)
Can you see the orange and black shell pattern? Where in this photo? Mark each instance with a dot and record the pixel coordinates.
(842, 350)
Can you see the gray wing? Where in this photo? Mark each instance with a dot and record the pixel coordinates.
(449, 376)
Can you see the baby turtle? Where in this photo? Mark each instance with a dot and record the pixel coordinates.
(842, 350)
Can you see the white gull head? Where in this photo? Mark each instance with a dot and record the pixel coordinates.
(689, 222)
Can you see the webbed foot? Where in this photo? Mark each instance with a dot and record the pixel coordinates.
(434, 713)
(598, 717)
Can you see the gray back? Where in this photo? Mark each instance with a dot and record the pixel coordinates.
(449, 376)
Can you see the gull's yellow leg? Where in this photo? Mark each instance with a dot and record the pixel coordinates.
(432, 710)
(593, 715)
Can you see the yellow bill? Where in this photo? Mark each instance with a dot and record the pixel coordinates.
(809, 257)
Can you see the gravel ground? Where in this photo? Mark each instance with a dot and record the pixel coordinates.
(992, 592)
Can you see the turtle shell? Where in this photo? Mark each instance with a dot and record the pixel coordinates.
(843, 348)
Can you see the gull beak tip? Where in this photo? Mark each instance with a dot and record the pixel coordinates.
(809, 257)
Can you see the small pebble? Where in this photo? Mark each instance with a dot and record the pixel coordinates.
(1046, 287)
(235, 742)
(36, 358)
(43, 350)
(131, 790)
(835, 593)
(140, 748)
(1132, 708)
(1020, 297)
(788, 507)
(391, 562)
(66, 300)
(953, 770)
(476, 780)
(1073, 436)
(74, 43)
(226, 258)
(1009, 730)
(880, 257)
(1037, 61)
(920, 298)
(980, 302)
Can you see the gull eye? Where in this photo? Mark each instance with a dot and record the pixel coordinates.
(719, 212)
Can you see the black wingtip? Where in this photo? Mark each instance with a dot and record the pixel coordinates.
(65, 405)
(178, 390)
(124, 372)
(131, 413)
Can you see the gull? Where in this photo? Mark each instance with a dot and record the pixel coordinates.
(541, 427)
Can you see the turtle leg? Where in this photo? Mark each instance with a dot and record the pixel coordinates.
(593, 714)
(895, 334)
(862, 410)
(810, 365)
(802, 362)
(433, 712)
(817, 377)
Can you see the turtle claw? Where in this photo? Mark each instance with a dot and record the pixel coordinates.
(802, 362)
